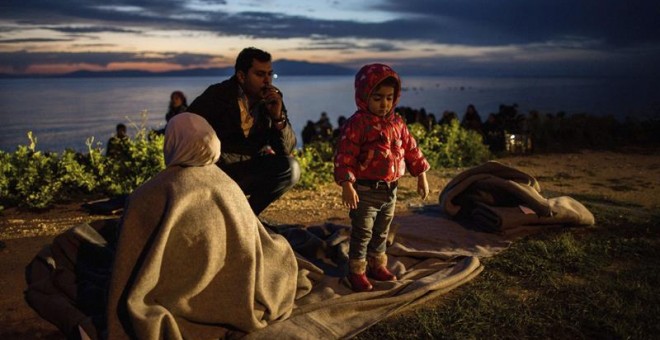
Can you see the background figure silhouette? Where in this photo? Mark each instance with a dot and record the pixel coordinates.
(309, 133)
(117, 143)
(493, 133)
(324, 127)
(472, 120)
(178, 104)
(448, 117)
(336, 133)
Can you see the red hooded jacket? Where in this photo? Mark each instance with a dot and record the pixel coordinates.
(373, 147)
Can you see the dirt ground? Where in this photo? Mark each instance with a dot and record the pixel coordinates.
(628, 177)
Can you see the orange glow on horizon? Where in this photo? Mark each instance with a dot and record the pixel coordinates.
(54, 69)
(142, 66)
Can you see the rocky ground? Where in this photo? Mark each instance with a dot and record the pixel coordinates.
(629, 177)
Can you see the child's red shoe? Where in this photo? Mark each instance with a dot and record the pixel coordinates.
(357, 275)
(359, 282)
(381, 274)
(378, 268)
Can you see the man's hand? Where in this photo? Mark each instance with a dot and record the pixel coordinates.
(348, 195)
(273, 99)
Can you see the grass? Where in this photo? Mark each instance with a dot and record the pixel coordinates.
(601, 282)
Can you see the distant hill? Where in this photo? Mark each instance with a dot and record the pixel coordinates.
(303, 68)
(281, 67)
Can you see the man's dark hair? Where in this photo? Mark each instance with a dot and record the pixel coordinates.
(120, 126)
(247, 55)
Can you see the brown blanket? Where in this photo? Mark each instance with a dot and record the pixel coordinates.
(499, 198)
(323, 306)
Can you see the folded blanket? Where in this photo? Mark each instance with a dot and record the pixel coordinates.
(491, 173)
(498, 198)
(565, 211)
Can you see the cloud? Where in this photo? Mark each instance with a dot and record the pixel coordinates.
(32, 40)
(619, 23)
(604, 33)
(445, 21)
(90, 29)
(20, 61)
(474, 22)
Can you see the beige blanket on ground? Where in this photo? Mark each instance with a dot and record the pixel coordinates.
(500, 198)
(175, 291)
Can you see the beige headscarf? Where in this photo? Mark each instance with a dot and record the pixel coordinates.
(190, 141)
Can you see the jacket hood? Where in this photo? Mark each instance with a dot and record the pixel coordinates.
(366, 80)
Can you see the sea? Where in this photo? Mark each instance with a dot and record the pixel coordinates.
(68, 112)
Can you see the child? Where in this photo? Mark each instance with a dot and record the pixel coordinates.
(373, 152)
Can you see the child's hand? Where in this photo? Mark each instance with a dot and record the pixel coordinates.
(422, 186)
(348, 195)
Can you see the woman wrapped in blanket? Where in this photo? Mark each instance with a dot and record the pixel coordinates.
(193, 261)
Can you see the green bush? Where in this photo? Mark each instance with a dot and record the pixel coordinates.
(74, 172)
(124, 173)
(450, 145)
(32, 176)
(316, 165)
(33, 179)
(5, 175)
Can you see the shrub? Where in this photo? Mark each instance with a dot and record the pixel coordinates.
(316, 165)
(450, 145)
(5, 176)
(34, 179)
(75, 174)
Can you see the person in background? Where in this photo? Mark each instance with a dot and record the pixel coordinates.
(248, 115)
(430, 122)
(472, 120)
(373, 152)
(336, 133)
(448, 117)
(493, 133)
(309, 133)
(117, 144)
(324, 127)
(178, 104)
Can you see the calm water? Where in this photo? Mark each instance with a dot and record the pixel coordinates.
(63, 113)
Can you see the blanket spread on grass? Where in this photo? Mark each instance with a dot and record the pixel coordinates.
(198, 274)
(67, 280)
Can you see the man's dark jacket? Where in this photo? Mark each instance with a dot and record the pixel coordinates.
(219, 105)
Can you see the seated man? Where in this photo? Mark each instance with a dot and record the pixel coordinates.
(248, 115)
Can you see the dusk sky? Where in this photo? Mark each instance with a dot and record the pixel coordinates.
(439, 37)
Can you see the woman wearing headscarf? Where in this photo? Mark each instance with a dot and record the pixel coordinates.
(192, 260)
